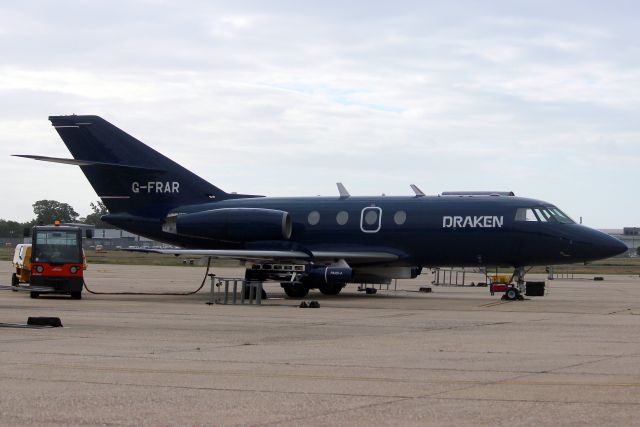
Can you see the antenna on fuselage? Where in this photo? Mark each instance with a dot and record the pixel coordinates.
(343, 191)
(416, 190)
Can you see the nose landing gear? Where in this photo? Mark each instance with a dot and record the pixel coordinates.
(517, 287)
(512, 294)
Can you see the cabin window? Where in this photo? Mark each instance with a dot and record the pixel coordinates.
(313, 218)
(342, 217)
(371, 217)
(400, 217)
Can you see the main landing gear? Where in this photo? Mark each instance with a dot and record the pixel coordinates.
(295, 289)
(300, 290)
(331, 289)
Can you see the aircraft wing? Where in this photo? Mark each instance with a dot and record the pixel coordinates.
(356, 256)
(269, 255)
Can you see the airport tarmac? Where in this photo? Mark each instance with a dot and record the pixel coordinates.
(456, 356)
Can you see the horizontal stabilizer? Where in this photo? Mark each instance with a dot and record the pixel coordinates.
(79, 162)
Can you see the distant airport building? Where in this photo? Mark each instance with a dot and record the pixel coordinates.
(108, 238)
(113, 238)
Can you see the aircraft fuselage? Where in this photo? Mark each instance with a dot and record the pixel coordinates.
(422, 231)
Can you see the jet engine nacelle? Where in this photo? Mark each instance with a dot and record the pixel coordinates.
(331, 275)
(232, 224)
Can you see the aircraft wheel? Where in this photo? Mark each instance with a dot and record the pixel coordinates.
(295, 291)
(76, 295)
(331, 289)
(512, 294)
(34, 294)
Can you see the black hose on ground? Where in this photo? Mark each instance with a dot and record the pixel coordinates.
(24, 326)
(204, 280)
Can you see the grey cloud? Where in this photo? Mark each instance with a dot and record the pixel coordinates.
(288, 97)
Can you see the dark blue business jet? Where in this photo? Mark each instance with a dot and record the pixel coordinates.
(319, 242)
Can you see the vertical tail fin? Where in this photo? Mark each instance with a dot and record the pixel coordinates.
(126, 174)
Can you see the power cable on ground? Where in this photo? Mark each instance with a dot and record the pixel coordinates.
(204, 280)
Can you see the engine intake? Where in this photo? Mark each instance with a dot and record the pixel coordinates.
(232, 224)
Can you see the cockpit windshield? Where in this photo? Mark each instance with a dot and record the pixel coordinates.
(542, 214)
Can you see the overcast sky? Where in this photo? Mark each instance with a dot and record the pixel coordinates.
(286, 98)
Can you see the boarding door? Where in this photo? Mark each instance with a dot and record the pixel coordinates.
(371, 219)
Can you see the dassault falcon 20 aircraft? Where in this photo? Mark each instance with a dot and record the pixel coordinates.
(318, 242)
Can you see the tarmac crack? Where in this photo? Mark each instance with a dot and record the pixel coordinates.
(201, 388)
(558, 402)
(340, 411)
(438, 396)
(321, 365)
(514, 380)
(624, 310)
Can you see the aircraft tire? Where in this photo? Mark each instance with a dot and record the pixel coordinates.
(512, 294)
(295, 291)
(331, 289)
(34, 294)
(76, 295)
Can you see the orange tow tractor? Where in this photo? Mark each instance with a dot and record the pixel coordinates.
(57, 261)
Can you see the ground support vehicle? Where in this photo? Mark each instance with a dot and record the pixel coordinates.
(57, 261)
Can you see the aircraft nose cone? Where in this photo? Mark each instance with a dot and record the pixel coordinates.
(614, 247)
(606, 246)
(591, 245)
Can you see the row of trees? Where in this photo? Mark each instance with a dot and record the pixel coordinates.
(47, 211)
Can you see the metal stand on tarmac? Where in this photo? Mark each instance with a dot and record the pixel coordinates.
(250, 290)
